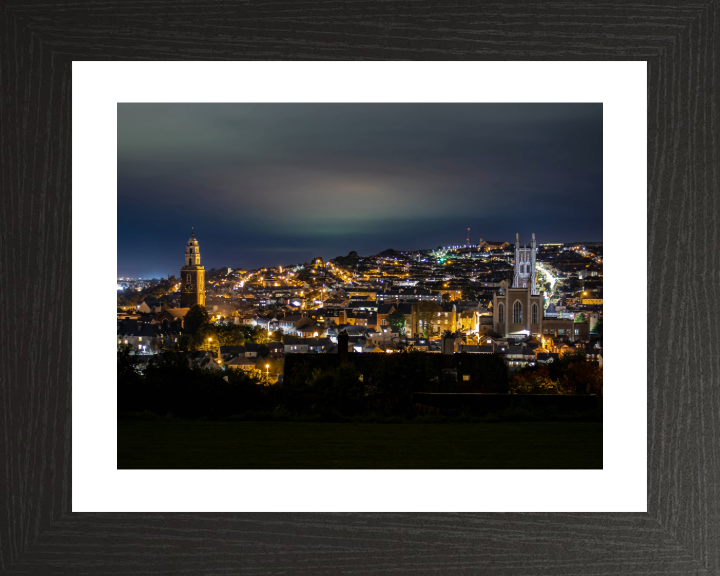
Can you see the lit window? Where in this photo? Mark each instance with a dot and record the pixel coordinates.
(139, 338)
(466, 377)
(517, 312)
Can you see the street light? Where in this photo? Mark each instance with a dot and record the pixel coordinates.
(267, 373)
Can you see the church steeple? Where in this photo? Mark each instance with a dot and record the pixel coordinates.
(524, 276)
(192, 275)
(192, 251)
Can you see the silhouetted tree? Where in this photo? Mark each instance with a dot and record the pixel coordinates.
(195, 318)
(397, 319)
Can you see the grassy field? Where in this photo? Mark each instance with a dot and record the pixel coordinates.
(205, 444)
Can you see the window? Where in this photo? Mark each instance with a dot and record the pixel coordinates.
(534, 313)
(517, 312)
(466, 377)
(577, 332)
(561, 331)
(545, 331)
(139, 338)
(501, 313)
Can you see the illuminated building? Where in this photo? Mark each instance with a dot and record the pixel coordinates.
(518, 310)
(192, 276)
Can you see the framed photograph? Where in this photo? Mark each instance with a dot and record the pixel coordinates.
(74, 501)
(472, 354)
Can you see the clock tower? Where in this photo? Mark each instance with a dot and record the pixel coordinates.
(192, 276)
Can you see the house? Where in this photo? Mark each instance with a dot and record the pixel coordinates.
(361, 318)
(268, 323)
(336, 302)
(251, 350)
(418, 344)
(545, 357)
(277, 349)
(240, 363)
(357, 343)
(140, 337)
(363, 306)
(150, 305)
(574, 330)
(308, 346)
(310, 331)
(389, 336)
(289, 324)
(223, 308)
(172, 314)
(167, 334)
(519, 356)
(317, 345)
(474, 349)
(205, 360)
(372, 349)
(468, 321)
(355, 332)
(488, 245)
(593, 352)
(231, 351)
(442, 320)
(383, 311)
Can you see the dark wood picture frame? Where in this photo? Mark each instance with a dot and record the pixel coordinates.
(680, 533)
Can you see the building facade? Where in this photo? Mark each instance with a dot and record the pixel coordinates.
(518, 310)
(486, 246)
(192, 276)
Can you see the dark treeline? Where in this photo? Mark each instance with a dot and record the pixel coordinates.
(314, 385)
(320, 386)
(572, 374)
(171, 385)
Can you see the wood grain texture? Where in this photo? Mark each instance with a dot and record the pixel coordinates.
(681, 532)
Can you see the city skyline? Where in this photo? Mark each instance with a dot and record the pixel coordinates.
(277, 184)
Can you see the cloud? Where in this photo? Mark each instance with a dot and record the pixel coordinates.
(273, 175)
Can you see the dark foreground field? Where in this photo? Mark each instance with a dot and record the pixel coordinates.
(206, 444)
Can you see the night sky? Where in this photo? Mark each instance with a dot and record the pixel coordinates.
(278, 184)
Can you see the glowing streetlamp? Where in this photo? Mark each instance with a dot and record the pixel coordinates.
(267, 372)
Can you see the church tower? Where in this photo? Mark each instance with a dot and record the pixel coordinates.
(192, 276)
(518, 310)
(525, 265)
